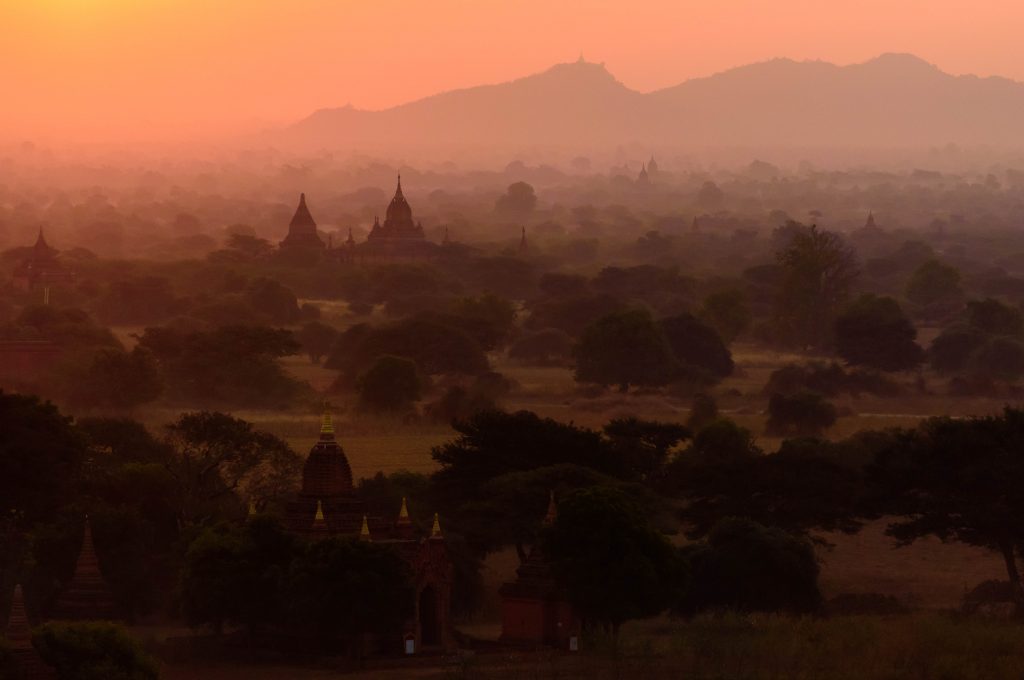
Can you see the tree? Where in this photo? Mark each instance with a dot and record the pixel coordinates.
(116, 379)
(999, 358)
(959, 479)
(804, 414)
(274, 300)
(493, 443)
(615, 567)
(743, 566)
(218, 459)
(436, 347)
(545, 347)
(995, 318)
(697, 345)
(624, 348)
(93, 650)
(933, 283)
(237, 575)
(390, 384)
(874, 332)
(727, 312)
(518, 201)
(818, 272)
(952, 348)
(41, 458)
(316, 339)
(703, 412)
(346, 587)
(645, 445)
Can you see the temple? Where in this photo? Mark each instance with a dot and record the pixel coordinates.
(399, 237)
(327, 506)
(398, 223)
(26, 662)
(42, 268)
(535, 609)
(302, 234)
(86, 597)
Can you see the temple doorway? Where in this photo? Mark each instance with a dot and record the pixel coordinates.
(429, 628)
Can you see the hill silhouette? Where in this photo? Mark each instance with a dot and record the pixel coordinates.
(893, 101)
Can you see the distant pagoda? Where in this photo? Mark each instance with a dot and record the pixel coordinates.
(28, 665)
(302, 234)
(42, 268)
(86, 596)
(398, 222)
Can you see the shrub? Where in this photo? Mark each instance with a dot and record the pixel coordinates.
(804, 414)
(391, 384)
(745, 566)
(93, 651)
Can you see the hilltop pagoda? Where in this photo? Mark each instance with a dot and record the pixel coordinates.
(327, 506)
(86, 597)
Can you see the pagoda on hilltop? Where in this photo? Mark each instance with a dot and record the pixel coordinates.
(86, 597)
(27, 663)
(327, 506)
(42, 268)
(535, 608)
(302, 234)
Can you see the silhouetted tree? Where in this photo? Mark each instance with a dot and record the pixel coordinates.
(316, 339)
(518, 201)
(624, 348)
(874, 332)
(727, 312)
(803, 414)
(390, 384)
(697, 345)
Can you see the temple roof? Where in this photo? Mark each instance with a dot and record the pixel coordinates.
(87, 596)
(326, 473)
(302, 229)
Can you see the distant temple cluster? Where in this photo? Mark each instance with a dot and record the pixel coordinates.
(398, 237)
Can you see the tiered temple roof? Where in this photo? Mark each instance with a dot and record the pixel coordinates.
(42, 267)
(302, 232)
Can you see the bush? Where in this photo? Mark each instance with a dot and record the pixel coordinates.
(828, 379)
(747, 567)
(93, 651)
(985, 594)
(806, 414)
(865, 604)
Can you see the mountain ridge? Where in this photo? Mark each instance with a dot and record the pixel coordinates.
(894, 100)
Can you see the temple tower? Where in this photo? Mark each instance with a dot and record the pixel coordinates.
(86, 596)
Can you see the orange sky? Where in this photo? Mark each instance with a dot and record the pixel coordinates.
(103, 70)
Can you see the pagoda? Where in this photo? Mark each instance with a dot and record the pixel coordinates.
(327, 506)
(399, 237)
(42, 268)
(302, 234)
(535, 608)
(28, 665)
(86, 597)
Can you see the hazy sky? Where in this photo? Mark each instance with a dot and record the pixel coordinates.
(132, 69)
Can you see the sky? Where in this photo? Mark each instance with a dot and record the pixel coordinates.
(88, 71)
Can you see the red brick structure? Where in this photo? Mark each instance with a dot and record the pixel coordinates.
(534, 608)
(28, 665)
(86, 597)
(327, 506)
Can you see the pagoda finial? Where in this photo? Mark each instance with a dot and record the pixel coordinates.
(252, 508)
(435, 531)
(364, 531)
(319, 517)
(522, 241)
(552, 513)
(326, 425)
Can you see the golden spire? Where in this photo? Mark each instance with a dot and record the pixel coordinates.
(252, 508)
(552, 514)
(403, 514)
(319, 512)
(327, 425)
(435, 531)
(364, 531)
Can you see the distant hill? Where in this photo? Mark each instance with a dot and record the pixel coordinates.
(895, 100)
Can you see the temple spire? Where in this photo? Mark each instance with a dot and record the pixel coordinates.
(522, 241)
(252, 509)
(435, 531)
(326, 426)
(403, 514)
(364, 531)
